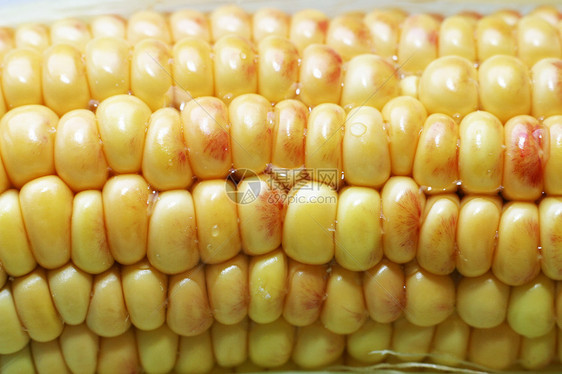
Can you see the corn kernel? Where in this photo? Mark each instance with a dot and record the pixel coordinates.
(70, 31)
(230, 20)
(417, 46)
(70, 289)
(147, 25)
(108, 25)
(383, 287)
(157, 349)
(230, 345)
(189, 23)
(278, 68)
(195, 354)
(316, 346)
(308, 26)
(192, 67)
(495, 348)
(269, 21)
(107, 314)
(48, 355)
(411, 342)
(80, 347)
(349, 36)
(384, 26)
(13, 337)
(321, 75)
(90, 249)
(118, 353)
(21, 78)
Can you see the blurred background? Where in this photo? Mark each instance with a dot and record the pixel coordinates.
(14, 12)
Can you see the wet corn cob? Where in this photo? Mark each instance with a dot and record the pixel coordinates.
(333, 195)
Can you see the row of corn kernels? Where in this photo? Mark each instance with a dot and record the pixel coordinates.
(248, 347)
(207, 139)
(162, 76)
(46, 224)
(264, 288)
(388, 33)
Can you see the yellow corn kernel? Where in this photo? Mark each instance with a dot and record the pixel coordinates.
(409, 86)
(550, 218)
(404, 118)
(206, 132)
(449, 85)
(230, 20)
(278, 68)
(269, 21)
(344, 309)
(436, 161)
(456, 37)
(189, 23)
(108, 25)
(230, 343)
(383, 287)
(358, 236)
(308, 26)
(552, 183)
(558, 304)
(32, 36)
(369, 343)
(13, 336)
(118, 354)
(215, 211)
(509, 16)
(125, 205)
(309, 225)
(147, 24)
(505, 87)
(90, 250)
(70, 289)
(480, 157)
(494, 348)
(290, 124)
(369, 80)
(270, 345)
(437, 245)
(417, 46)
(537, 39)
(70, 31)
(537, 353)
(145, 291)
(531, 307)
(157, 349)
(192, 67)
(403, 204)
(494, 36)
(267, 277)
(235, 67)
(16, 254)
(7, 42)
(78, 153)
(410, 342)
(323, 143)
(250, 132)
(165, 162)
(306, 287)
(64, 81)
(260, 211)
(18, 362)
(107, 314)
(450, 342)
(151, 73)
(384, 26)
(517, 260)
(321, 75)
(107, 67)
(46, 205)
(527, 145)
(123, 119)
(80, 347)
(35, 307)
(548, 13)
(195, 354)
(27, 136)
(4, 181)
(546, 77)
(21, 78)
(172, 245)
(47, 357)
(479, 217)
(349, 36)
(317, 346)
(430, 298)
(365, 151)
(188, 312)
(227, 287)
(482, 301)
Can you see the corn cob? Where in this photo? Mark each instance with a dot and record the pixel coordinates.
(145, 271)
